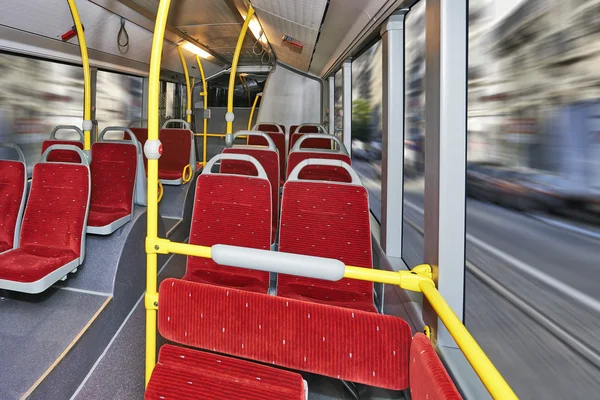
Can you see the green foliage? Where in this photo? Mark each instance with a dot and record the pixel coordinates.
(361, 119)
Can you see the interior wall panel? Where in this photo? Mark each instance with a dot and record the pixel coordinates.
(290, 98)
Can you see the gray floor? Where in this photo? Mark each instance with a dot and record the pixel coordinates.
(36, 330)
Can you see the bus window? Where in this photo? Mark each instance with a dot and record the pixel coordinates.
(414, 135)
(119, 99)
(367, 122)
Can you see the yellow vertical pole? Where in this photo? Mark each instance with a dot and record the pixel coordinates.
(152, 211)
(187, 85)
(234, 63)
(205, 102)
(252, 111)
(87, 80)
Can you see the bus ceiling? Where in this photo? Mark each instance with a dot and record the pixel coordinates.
(119, 33)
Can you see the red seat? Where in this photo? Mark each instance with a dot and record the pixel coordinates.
(270, 127)
(331, 220)
(51, 242)
(279, 140)
(346, 344)
(113, 170)
(293, 130)
(141, 135)
(183, 373)
(429, 380)
(177, 147)
(269, 160)
(12, 197)
(65, 156)
(234, 210)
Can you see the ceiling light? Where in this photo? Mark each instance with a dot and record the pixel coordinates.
(192, 48)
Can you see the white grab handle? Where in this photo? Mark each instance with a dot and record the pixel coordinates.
(322, 161)
(233, 156)
(185, 124)
(82, 156)
(65, 127)
(320, 127)
(270, 142)
(267, 123)
(306, 136)
(282, 263)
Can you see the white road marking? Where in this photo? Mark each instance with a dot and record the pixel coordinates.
(567, 226)
(560, 286)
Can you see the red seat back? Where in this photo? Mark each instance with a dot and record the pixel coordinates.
(429, 380)
(279, 140)
(177, 145)
(269, 160)
(12, 189)
(56, 210)
(65, 156)
(270, 128)
(141, 134)
(293, 129)
(329, 220)
(340, 343)
(113, 170)
(234, 210)
(310, 143)
(319, 172)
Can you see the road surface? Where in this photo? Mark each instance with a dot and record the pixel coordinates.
(532, 299)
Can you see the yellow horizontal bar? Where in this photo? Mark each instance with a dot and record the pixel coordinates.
(487, 372)
(419, 279)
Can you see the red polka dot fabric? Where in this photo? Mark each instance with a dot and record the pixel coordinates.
(64, 156)
(233, 210)
(279, 140)
(269, 160)
(429, 380)
(177, 145)
(12, 187)
(319, 172)
(327, 220)
(113, 170)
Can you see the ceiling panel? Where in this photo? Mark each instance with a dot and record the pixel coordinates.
(300, 19)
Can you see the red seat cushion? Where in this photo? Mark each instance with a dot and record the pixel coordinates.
(279, 140)
(346, 344)
(113, 180)
(102, 216)
(429, 380)
(327, 220)
(20, 265)
(190, 374)
(12, 187)
(319, 172)
(234, 210)
(177, 146)
(270, 162)
(62, 155)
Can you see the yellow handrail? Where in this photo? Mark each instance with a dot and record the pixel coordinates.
(252, 111)
(205, 102)
(419, 279)
(87, 81)
(187, 85)
(161, 191)
(234, 63)
(483, 367)
(186, 175)
(151, 298)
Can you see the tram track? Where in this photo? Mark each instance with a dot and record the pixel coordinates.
(564, 335)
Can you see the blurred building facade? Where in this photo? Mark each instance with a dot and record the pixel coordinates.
(534, 86)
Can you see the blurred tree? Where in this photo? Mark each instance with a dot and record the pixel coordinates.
(361, 119)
